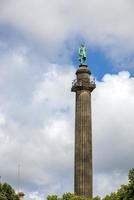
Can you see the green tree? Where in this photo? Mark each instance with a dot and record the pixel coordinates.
(2, 196)
(112, 196)
(125, 192)
(7, 192)
(52, 197)
(70, 196)
(97, 198)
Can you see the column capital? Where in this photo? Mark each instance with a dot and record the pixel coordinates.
(84, 80)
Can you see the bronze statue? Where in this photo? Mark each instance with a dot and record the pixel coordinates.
(82, 54)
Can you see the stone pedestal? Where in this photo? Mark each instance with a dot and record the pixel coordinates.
(83, 86)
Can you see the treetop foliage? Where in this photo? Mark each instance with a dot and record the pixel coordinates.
(7, 192)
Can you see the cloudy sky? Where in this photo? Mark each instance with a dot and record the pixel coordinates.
(39, 42)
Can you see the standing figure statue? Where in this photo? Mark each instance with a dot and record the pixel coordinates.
(82, 54)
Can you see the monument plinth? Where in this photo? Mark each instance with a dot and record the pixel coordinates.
(83, 86)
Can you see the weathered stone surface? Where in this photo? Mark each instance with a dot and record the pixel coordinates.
(83, 132)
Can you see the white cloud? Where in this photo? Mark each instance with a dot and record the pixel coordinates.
(53, 94)
(2, 119)
(35, 195)
(34, 133)
(106, 24)
(113, 113)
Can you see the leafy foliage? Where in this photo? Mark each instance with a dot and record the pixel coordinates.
(7, 192)
(70, 196)
(125, 192)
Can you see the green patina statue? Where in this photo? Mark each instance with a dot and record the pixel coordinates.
(82, 54)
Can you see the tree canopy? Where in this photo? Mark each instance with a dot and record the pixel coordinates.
(7, 192)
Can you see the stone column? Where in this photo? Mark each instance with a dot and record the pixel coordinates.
(83, 87)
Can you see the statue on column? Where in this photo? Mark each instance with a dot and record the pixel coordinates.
(82, 54)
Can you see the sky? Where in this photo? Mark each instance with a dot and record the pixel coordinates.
(39, 43)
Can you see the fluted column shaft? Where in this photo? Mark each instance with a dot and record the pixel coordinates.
(83, 145)
(83, 87)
